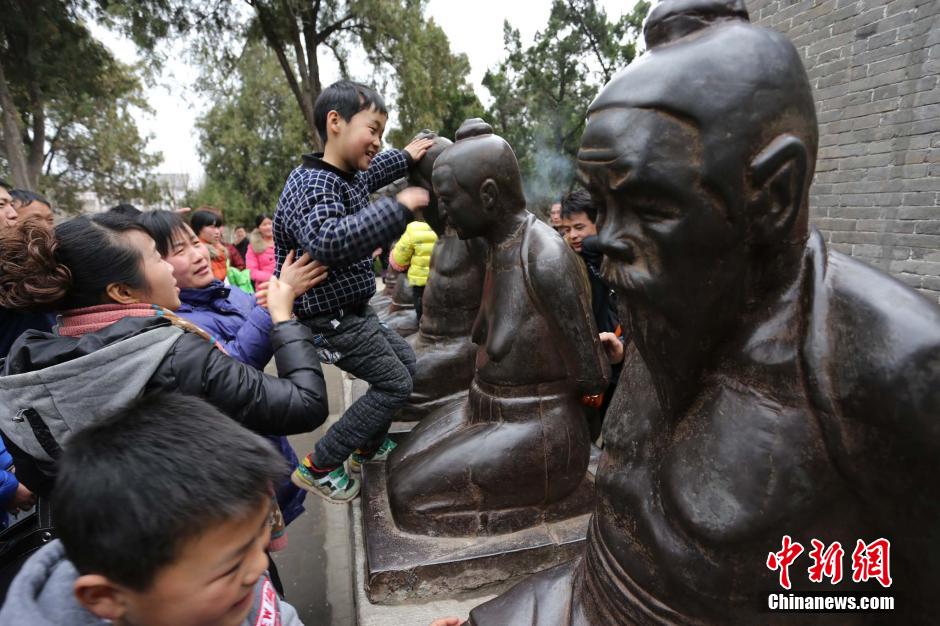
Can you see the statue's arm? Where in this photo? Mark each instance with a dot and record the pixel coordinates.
(561, 286)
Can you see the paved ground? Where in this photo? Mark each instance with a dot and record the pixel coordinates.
(316, 567)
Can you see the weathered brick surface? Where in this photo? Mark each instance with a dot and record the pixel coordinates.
(874, 66)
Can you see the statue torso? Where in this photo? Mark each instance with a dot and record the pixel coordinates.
(516, 341)
(455, 282)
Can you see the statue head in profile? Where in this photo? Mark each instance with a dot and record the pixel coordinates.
(420, 176)
(477, 180)
(699, 156)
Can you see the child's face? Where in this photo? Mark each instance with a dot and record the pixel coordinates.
(212, 581)
(361, 138)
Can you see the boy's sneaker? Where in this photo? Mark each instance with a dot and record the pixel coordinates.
(336, 487)
(357, 458)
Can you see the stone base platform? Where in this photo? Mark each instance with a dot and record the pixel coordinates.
(404, 567)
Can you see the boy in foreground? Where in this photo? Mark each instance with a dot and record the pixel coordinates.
(163, 513)
(324, 210)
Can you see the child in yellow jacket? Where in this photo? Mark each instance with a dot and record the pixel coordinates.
(413, 252)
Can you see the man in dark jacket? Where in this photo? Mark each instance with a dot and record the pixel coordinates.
(578, 216)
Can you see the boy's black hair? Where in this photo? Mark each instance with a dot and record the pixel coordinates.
(6, 185)
(125, 209)
(578, 201)
(162, 226)
(202, 218)
(26, 197)
(346, 98)
(133, 489)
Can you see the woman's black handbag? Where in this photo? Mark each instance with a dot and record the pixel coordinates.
(21, 540)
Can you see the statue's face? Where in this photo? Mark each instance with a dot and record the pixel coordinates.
(462, 211)
(667, 238)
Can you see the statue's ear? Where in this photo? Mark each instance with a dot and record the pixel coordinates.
(779, 180)
(489, 194)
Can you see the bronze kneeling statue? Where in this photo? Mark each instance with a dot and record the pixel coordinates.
(516, 451)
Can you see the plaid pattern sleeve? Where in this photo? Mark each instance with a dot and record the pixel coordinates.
(330, 217)
(337, 239)
(387, 167)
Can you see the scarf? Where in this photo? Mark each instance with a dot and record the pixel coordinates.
(78, 322)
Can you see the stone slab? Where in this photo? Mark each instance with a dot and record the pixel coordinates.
(403, 567)
(417, 613)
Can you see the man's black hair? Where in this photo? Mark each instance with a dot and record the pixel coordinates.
(125, 209)
(133, 489)
(202, 218)
(346, 98)
(162, 226)
(26, 197)
(578, 201)
(6, 185)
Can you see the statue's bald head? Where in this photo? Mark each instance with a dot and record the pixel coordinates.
(738, 86)
(478, 155)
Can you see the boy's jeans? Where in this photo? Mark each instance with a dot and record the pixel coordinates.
(358, 343)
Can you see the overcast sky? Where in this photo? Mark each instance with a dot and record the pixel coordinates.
(474, 28)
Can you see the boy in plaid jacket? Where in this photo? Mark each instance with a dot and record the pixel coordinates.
(324, 210)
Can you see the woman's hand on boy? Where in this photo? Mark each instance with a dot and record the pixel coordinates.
(302, 274)
(417, 148)
(413, 198)
(280, 300)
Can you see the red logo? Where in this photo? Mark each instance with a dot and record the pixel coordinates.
(869, 561)
(783, 559)
(872, 560)
(826, 564)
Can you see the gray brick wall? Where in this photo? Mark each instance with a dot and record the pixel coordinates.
(874, 66)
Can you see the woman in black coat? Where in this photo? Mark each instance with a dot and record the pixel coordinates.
(117, 339)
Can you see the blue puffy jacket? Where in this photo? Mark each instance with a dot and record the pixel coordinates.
(236, 320)
(8, 483)
(233, 317)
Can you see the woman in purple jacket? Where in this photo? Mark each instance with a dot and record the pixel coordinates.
(234, 318)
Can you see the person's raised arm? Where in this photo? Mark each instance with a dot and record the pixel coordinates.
(334, 238)
(390, 165)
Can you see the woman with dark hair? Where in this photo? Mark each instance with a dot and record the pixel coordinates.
(117, 338)
(235, 318)
(260, 257)
(207, 223)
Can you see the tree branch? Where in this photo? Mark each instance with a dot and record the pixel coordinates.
(591, 39)
(324, 34)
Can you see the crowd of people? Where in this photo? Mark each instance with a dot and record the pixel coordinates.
(137, 415)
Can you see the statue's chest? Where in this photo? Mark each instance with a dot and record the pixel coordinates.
(740, 464)
(509, 315)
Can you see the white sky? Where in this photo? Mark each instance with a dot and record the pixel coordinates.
(474, 28)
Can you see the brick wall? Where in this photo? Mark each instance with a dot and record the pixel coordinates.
(874, 66)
